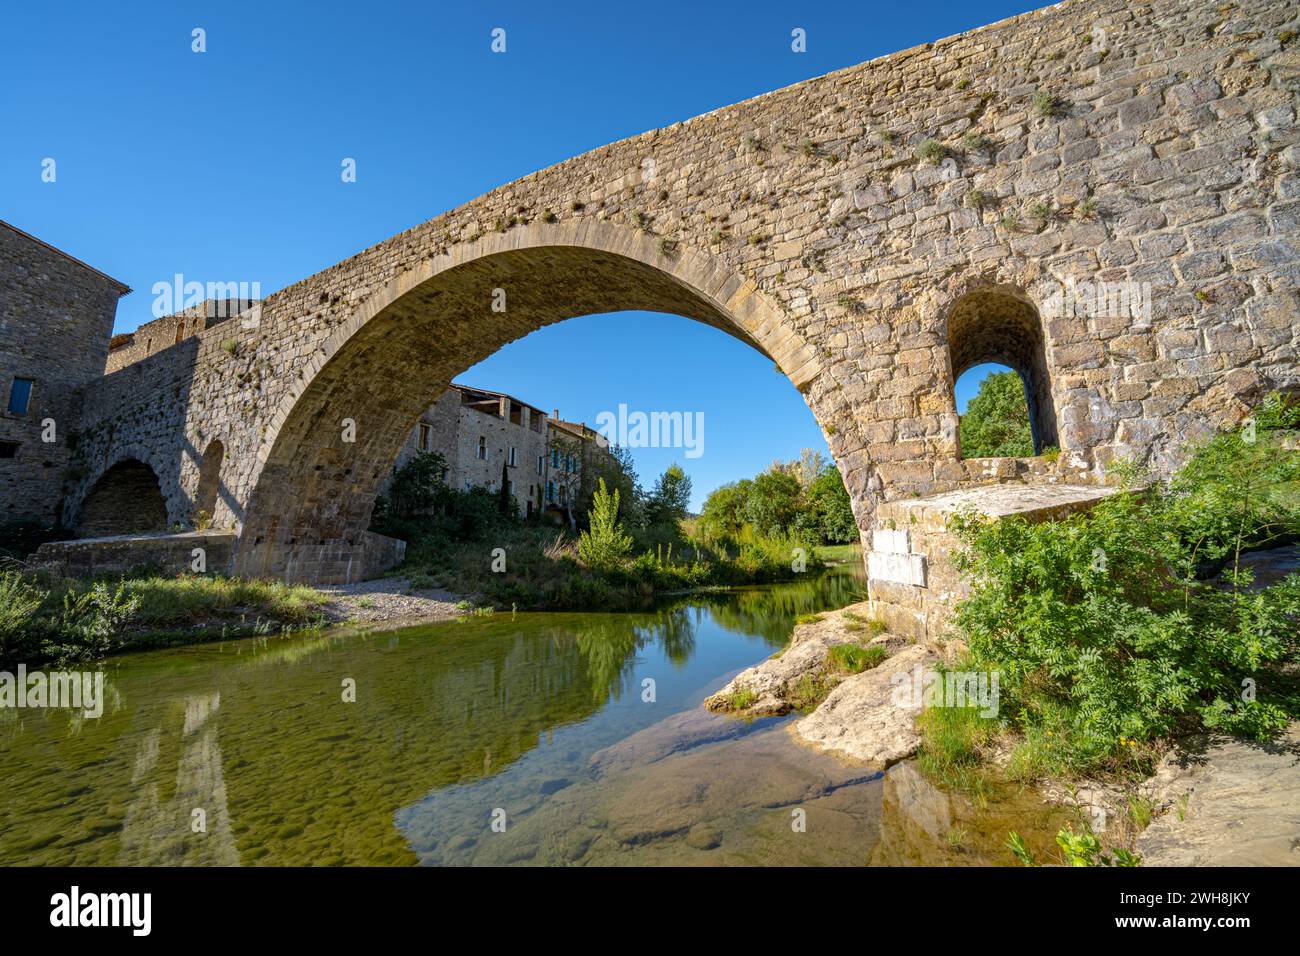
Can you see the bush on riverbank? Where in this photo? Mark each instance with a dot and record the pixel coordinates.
(68, 621)
(453, 539)
(1137, 621)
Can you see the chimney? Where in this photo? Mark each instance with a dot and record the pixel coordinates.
(556, 414)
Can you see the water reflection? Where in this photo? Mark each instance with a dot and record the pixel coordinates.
(245, 752)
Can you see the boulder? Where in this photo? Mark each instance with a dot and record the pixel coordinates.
(864, 720)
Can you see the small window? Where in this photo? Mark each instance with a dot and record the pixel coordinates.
(425, 434)
(482, 448)
(8, 449)
(512, 487)
(20, 396)
(555, 458)
(541, 463)
(512, 457)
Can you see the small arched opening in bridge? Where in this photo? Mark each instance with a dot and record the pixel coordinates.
(205, 497)
(345, 421)
(127, 499)
(997, 329)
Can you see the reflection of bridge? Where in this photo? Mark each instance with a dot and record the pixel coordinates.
(803, 223)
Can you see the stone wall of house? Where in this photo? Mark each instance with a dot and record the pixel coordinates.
(500, 436)
(838, 225)
(56, 316)
(454, 433)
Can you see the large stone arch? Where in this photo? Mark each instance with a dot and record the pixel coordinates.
(378, 371)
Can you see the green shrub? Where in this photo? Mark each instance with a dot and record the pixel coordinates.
(605, 545)
(19, 603)
(1115, 627)
(931, 151)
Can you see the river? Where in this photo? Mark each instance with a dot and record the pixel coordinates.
(538, 738)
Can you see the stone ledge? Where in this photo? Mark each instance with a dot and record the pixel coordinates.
(117, 554)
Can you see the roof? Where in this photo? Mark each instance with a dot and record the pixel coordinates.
(470, 390)
(41, 242)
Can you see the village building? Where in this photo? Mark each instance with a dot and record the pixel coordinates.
(486, 437)
(56, 318)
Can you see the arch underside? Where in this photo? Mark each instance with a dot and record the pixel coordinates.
(1000, 325)
(316, 491)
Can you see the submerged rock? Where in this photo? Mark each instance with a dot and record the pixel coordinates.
(864, 720)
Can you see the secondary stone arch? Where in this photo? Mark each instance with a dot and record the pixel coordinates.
(126, 498)
(339, 426)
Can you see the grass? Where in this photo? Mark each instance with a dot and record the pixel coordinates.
(68, 620)
(953, 742)
(810, 691)
(191, 599)
(808, 618)
(741, 699)
(839, 553)
(856, 622)
(854, 658)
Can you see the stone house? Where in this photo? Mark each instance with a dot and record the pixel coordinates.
(574, 451)
(56, 318)
(482, 434)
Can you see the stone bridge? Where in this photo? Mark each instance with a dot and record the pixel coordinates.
(875, 231)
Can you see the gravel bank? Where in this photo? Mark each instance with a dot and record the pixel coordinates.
(388, 601)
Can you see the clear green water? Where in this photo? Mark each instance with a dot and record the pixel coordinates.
(539, 720)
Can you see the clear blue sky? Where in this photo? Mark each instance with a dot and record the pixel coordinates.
(225, 165)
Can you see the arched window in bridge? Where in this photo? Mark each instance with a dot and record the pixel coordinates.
(1000, 377)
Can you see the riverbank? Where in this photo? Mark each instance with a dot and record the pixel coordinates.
(47, 619)
(62, 620)
(1209, 799)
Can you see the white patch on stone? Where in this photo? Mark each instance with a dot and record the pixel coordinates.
(891, 541)
(897, 568)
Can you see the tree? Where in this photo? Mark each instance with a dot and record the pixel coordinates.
(603, 545)
(670, 500)
(726, 510)
(505, 501)
(418, 487)
(996, 423)
(619, 474)
(828, 509)
(774, 502)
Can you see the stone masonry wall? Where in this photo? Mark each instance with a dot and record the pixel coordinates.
(836, 224)
(56, 316)
(168, 330)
